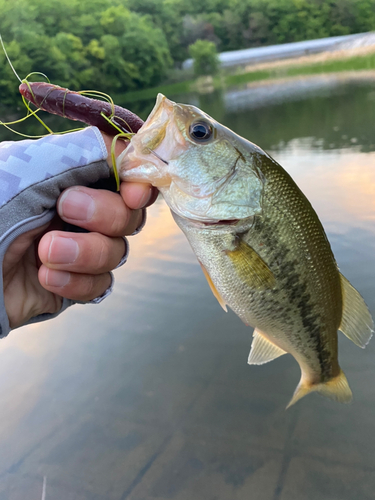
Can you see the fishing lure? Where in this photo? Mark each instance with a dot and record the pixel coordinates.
(60, 101)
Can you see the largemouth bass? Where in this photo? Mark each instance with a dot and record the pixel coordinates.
(260, 243)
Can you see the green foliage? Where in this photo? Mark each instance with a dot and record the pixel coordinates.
(119, 46)
(204, 54)
(81, 44)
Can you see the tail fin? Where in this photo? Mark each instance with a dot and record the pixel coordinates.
(337, 389)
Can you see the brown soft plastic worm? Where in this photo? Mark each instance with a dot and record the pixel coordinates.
(64, 102)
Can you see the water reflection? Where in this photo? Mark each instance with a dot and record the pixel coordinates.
(339, 117)
(148, 396)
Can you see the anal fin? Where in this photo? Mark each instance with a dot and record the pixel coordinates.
(217, 295)
(356, 321)
(262, 350)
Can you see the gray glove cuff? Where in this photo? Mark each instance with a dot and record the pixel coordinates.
(32, 176)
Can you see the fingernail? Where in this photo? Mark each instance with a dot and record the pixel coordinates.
(62, 250)
(57, 278)
(75, 204)
(145, 198)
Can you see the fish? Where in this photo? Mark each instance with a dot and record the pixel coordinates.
(261, 245)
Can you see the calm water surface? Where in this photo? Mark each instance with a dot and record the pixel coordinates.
(149, 397)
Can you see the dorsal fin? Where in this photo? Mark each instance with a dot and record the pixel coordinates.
(356, 320)
(250, 267)
(217, 295)
(262, 350)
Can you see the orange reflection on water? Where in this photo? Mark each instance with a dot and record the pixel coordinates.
(158, 239)
(357, 183)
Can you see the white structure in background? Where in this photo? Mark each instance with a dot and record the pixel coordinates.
(258, 95)
(295, 49)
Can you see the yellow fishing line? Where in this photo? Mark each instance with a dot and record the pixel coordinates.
(8, 59)
(21, 134)
(26, 103)
(35, 73)
(96, 94)
(113, 156)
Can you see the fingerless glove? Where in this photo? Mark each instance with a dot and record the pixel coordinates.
(33, 173)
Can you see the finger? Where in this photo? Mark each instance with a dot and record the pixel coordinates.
(98, 210)
(137, 194)
(80, 287)
(91, 253)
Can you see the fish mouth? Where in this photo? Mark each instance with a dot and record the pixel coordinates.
(229, 222)
(161, 104)
(213, 222)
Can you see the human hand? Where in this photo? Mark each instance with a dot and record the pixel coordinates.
(46, 264)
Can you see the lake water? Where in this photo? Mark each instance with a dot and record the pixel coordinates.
(149, 396)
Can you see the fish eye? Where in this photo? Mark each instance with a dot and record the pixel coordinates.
(200, 131)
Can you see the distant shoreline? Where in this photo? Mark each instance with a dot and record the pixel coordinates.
(358, 59)
(307, 60)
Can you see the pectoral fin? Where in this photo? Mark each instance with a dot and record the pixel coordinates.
(356, 321)
(214, 289)
(262, 350)
(250, 267)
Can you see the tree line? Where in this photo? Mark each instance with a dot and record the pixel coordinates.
(120, 45)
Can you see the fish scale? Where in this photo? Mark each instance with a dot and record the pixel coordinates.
(320, 305)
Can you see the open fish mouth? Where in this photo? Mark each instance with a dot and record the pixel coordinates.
(230, 222)
(209, 223)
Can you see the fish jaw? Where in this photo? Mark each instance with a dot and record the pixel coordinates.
(139, 163)
(206, 182)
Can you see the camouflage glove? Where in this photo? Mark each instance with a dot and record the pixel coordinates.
(32, 176)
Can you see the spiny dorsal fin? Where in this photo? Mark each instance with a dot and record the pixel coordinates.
(336, 389)
(250, 267)
(356, 321)
(217, 295)
(262, 350)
